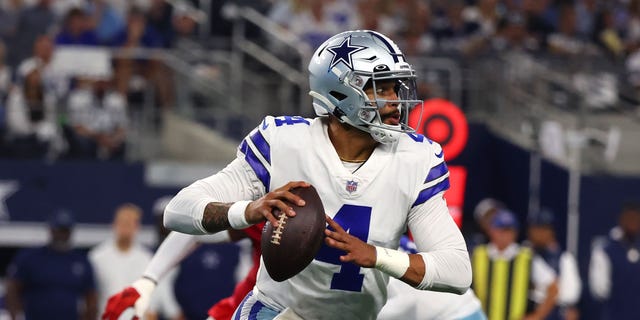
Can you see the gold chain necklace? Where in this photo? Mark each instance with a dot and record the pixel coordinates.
(351, 161)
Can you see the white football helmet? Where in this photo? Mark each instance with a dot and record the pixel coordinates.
(343, 66)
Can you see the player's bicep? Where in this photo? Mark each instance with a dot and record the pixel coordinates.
(435, 180)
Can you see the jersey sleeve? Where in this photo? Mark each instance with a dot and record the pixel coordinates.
(437, 237)
(436, 175)
(255, 150)
(442, 247)
(246, 178)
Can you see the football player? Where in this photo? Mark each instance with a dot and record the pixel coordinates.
(376, 178)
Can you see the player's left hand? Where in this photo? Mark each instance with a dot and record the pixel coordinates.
(357, 251)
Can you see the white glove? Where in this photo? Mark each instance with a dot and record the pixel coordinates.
(145, 287)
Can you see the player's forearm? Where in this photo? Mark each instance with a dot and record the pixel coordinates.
(216, 217)
(415, 272)
(543, 309)
(14, 305)
(204, 206)
(446, 270)
(90, 311)
(171, 252)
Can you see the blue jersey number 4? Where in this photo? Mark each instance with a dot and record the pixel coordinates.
(355, 220)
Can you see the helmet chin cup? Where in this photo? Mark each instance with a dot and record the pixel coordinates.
(384, 136)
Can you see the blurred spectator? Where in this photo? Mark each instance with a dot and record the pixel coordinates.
(542, 237)
(417, 37)
(486, 14)
(32, 127)
(76, 30)
(454, 32)
(53, 281)
(632, 36)
(159, 17)
(512, 35)
(565, 41)
(98, 121)
(132, 73)
(314, 21)
(163, 303)
(377, 15)
(122, 7)
(120, 260)
(9, 18)
(42, 57)
(586, 11)
(105, 20)
(510, 281)
(483, 214)
(33, 22)
(607, 36)
(541, 17)
(632, 65)
(615, 265)
(61, 7)
(185, 25)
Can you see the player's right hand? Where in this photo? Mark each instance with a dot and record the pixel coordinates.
(262, 209)
(136, 296)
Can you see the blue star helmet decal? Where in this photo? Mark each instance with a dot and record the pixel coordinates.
(343, 53)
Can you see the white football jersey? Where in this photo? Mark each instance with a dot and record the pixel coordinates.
(376, 203)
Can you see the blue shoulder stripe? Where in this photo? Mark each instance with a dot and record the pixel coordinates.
(262, 145)
(437, 172)
(257, 166)
(427, 193)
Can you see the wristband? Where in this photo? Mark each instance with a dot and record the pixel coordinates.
(236, 217)
(392, 262)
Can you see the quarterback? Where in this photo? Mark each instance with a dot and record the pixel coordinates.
(376, 178)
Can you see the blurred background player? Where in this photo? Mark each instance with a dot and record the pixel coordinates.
(120, 260)
(615, 265)
(170, 253)
(510, 280)
(53, 281)
(542, 238)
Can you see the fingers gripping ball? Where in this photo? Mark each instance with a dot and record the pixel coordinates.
(289, 248)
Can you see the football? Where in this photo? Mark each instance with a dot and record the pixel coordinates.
(290, 248)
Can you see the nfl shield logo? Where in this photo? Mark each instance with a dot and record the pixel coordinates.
(352, 186)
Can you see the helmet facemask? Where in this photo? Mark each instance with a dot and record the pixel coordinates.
(368, 115)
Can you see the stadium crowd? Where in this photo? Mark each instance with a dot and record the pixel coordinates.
(48, 111)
